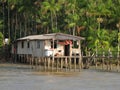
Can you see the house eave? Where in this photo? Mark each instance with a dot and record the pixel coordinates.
(55, 36)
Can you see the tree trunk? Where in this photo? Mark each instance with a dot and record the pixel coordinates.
(25, 25)
(9, 36)
(20, 29)
(52, 22)
(56, 20)
(3, 20)
(16, 26)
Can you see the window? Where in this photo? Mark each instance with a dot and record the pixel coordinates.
(22, 44)
(38, 44)
(28, 44)
(55, 44)
(75, 44)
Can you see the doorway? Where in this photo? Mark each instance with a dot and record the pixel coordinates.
(67, 50)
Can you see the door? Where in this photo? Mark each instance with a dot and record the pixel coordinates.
(67, 50)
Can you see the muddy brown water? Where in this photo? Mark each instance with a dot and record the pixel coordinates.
(21, 77)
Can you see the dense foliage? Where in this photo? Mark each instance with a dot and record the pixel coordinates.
(97, 20)
(1, 40)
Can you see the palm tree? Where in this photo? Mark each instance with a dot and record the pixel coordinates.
(72, 16)
(52, 7)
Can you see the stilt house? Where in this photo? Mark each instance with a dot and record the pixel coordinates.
(56, 44)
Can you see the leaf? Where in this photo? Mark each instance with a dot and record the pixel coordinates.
(71, 25)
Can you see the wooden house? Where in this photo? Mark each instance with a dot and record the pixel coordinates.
(50, 50)
(56, 44)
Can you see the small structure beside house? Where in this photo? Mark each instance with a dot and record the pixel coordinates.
(49, 49)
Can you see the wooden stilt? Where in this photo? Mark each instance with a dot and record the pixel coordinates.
(57, 62)
(45, 63)
(118, 65)
(96, 63)
(24, 58)
(32, 62)
(110, 65)
(36, 63)
(74, 63)
(39, 63)
(27, 58)
(48, 63)
(102, 63)
(21, 58)
(79, 63)
(61, 64)
(18, 58)
(69, 63)
(103, 58)
(82, 64)
(53, 64)
(65, 63)
(107, 65)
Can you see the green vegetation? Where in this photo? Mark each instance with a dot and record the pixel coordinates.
(1, 40)
(96, 20)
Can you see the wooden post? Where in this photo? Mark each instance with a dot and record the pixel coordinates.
(70, 63)
(75, 63)
(103, 57)
(45, 63)
(24, 58)
(118, 62)
(96, 58)
(27, 58)
(61, 64)
(40, 63)
(20, 58)
(79, 63)
(110, 65)
(95, 63)
(52, 63)
(80, 55)
(53, 56)
(57, 60)
(66, 63)
(107, 65)
(32, 62)
(48, 63)
(15, 58)
(118, 65)
(36, 63)
(88, 60)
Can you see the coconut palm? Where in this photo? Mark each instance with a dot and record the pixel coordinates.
(51, 7)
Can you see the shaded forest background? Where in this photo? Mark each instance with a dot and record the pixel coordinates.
(96, 20)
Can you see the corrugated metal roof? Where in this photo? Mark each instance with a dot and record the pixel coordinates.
(55, 36)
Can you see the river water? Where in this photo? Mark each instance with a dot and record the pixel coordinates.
(21, 77)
